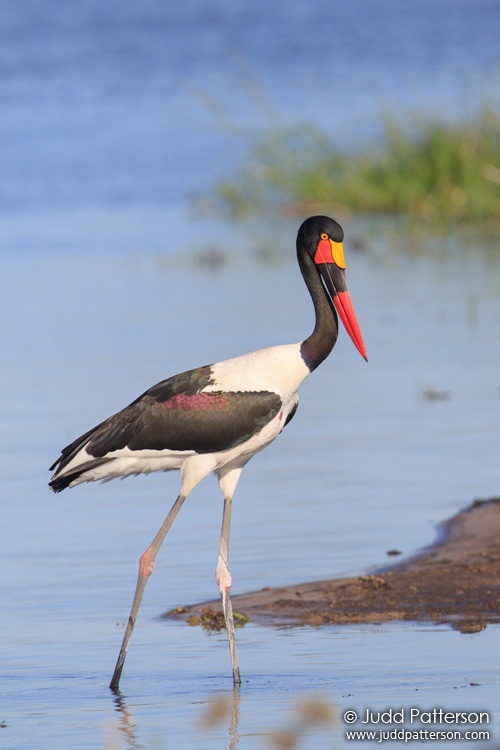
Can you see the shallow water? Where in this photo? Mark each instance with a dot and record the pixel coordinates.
(368, 464)
(110, 105)
(106, 286)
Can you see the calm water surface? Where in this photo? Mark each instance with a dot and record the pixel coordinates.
(104, 129)
(368, 464)
(119, 102)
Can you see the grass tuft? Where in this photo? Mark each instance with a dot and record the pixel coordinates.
(435, 174)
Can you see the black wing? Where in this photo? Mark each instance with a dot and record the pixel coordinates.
(178, 415)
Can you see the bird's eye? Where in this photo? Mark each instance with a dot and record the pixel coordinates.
(323, 236)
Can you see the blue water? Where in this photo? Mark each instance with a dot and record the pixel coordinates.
(104, 291)
(120, 103)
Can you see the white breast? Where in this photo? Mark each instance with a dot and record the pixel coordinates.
(279, 369)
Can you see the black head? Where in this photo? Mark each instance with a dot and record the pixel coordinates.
(312, 230)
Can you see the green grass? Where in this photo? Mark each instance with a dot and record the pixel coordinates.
(435, 174)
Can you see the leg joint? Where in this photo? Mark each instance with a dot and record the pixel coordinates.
(223, 576)
(146, 564)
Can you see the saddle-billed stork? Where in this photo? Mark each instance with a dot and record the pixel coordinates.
(216, 417)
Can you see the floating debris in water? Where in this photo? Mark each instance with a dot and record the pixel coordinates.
(212, 619)
(432, 394)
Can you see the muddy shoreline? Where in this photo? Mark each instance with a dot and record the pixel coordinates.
(456, 580)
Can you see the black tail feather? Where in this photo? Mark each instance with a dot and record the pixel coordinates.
(59, 483)
(72, 449)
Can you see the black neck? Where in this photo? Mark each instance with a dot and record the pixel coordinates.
(320, 343)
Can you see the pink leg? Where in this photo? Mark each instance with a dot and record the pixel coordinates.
(146, 567)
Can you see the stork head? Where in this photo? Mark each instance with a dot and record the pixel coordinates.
(321, 237)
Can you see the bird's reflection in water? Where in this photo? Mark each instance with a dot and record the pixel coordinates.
(218, 709)
(222, 708)
(126, 728)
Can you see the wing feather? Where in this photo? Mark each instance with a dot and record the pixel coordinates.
(179, 415)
